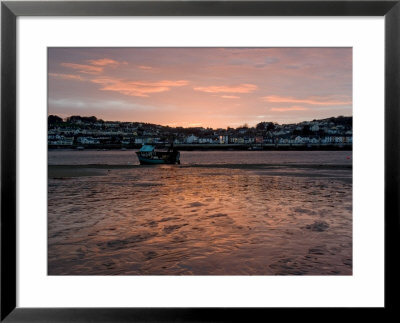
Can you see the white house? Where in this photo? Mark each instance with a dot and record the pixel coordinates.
(191, 139)
(314, 128)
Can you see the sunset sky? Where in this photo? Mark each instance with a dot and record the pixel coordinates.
(207, 87)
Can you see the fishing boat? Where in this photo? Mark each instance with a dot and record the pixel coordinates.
(149, 156)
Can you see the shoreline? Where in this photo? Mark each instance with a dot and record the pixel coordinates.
(69, 171)
(217, 147)
(244, 166)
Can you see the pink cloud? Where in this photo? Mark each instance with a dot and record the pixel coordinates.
(313, 100)
(67, 76)
(230, 97)
(95, 66)
(103, 62)
(82, 68)
(137, 88)
(241, 88)
(145, 67)
(294, 108)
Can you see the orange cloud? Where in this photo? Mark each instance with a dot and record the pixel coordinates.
(313, 100)
(67, 76)
(137, 88)
(96, 65)
(230, 97)
(294, 108)
(144, 67)
(103, 62)
(242, 88)
(82, 68)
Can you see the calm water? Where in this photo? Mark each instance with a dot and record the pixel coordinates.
(218, 213)
(128, 157)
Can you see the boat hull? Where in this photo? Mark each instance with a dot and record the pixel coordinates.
(157, 158)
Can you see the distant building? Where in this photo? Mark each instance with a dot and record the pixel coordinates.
(88, 141)
(223, 139)
(314, 128)
(298, 140)
(126, 141)
(139, 141)
(205, 141)
(60, 140)
(192, 139)
(258, 140)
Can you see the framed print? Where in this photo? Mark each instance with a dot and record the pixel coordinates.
(197, 161)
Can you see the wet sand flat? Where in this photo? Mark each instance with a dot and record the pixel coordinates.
(250, 219)
(68, 171)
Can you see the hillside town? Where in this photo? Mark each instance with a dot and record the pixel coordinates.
(90, 132)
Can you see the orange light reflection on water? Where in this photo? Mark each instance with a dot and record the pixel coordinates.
(202, 221)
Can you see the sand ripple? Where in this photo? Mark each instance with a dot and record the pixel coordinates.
(201, 221)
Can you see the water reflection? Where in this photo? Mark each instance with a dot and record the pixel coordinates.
(171, 220)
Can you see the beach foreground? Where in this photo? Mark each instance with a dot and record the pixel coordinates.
(215, 218)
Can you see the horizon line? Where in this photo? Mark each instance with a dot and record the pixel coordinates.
(205, 127)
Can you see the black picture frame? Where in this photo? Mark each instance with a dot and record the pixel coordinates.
(10, 10)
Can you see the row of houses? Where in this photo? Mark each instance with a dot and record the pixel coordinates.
(279, 131)
(68, 140)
